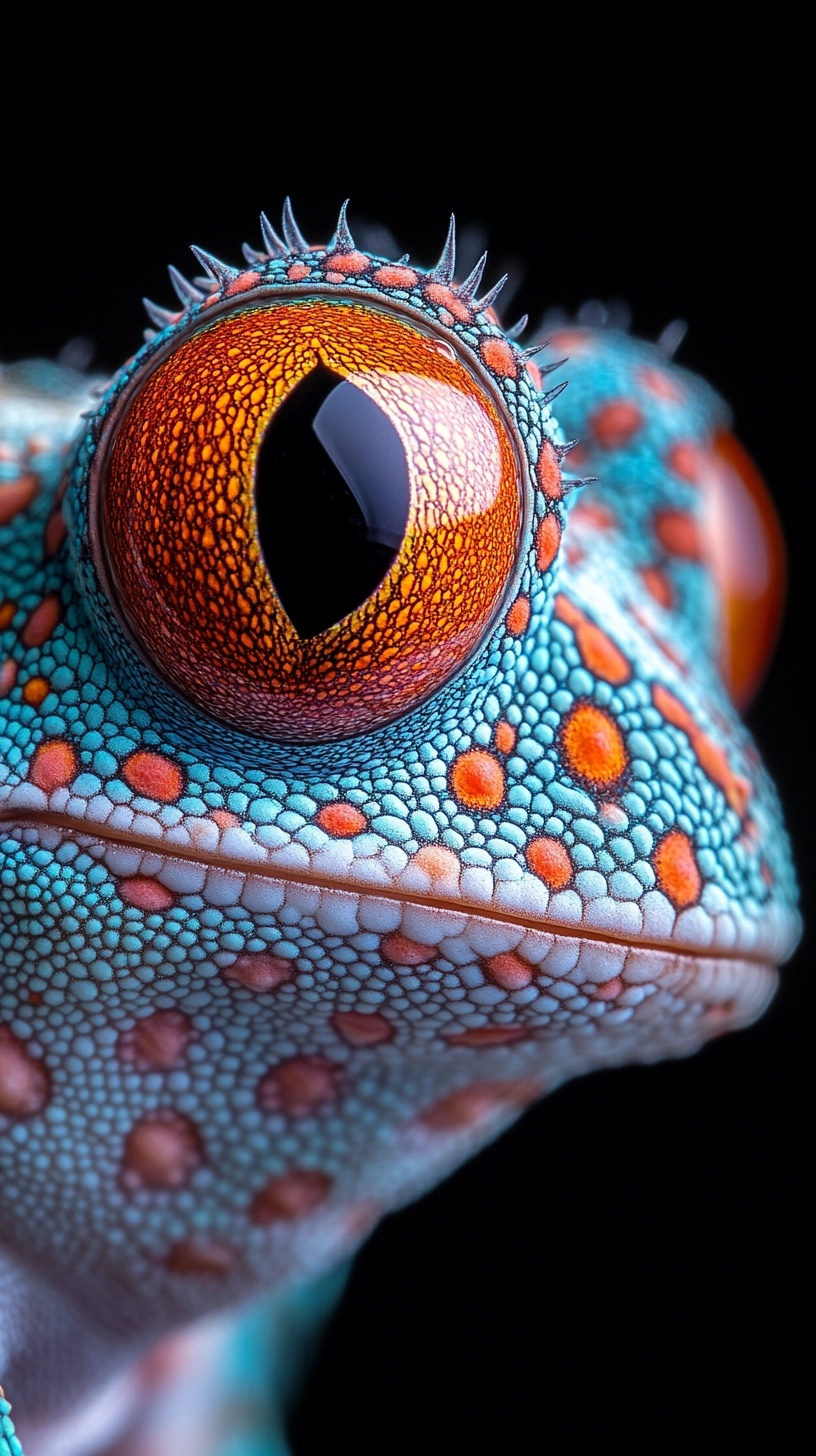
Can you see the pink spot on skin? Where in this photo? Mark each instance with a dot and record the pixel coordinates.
(25, 1085)
(688, 461)
(199, 1254)
(608, 990)
(659, 383)
(242, 283)
(362, 1028)
(395, 275)
(348, 263)
(157, 1042)
(8, 676)
(615, 423)
(405, 952)
(145, 894)
(162, 1151)
(465, 1108)
(41, 622)
(290, 1195)
(300, 1086)
(509, 971)
(225, 819)
(487, 1036)
(259, 972)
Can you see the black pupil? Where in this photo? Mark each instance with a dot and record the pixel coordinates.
(331, 497)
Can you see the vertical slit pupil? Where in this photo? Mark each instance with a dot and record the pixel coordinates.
(332, 495)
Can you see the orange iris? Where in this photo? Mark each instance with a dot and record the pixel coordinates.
(183, 495)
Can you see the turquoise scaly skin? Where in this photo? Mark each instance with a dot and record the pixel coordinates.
(257, 993)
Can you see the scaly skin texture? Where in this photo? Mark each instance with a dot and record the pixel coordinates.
(277, 958)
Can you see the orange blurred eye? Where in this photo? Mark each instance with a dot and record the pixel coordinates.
(310, 513)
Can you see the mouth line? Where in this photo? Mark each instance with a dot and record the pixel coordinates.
(53, 820)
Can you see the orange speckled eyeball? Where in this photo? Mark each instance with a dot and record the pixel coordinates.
(311, 512)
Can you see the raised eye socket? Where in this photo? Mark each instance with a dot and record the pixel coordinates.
(310, 513)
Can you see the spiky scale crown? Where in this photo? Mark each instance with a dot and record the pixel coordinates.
(431, 294)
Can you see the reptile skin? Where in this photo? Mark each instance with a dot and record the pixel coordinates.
(295, 921)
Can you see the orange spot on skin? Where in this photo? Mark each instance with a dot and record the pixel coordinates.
(404, 952)
(711, 756)
(7, 610)
(593, 744)
(518, 617)
(36, 691)
(41, 622)
(299, 1086)
(242, 283)
(16, 496)
(658, 585)
(260, 971)
(297, 272)
(499, 356)
(153, 776)
(615, 423)
(446, 298)
(504, 736)
(200, 1254)
(342, 821)
(162, 1150)
(25, 1085)
(145, 894)
(477, 779)
(362, 1028)
(676, 868)
(394, 275)
(290, 1195)
(487, 1036)
(53, 766)
(548, 540)
(598, 652)
(344, 263)
(509, 971)
(548, 859)
(678, 533)
(157, 1042)
(8, 676)
(548, 472)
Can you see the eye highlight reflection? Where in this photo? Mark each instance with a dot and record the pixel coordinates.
(311, 513)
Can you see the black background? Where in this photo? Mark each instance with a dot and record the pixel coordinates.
(630, 1260)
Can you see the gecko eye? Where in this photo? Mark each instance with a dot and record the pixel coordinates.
(308, 516)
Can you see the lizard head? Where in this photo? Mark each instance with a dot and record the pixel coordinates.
(363, 797)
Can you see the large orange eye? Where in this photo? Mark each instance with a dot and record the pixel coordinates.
(311, 511)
